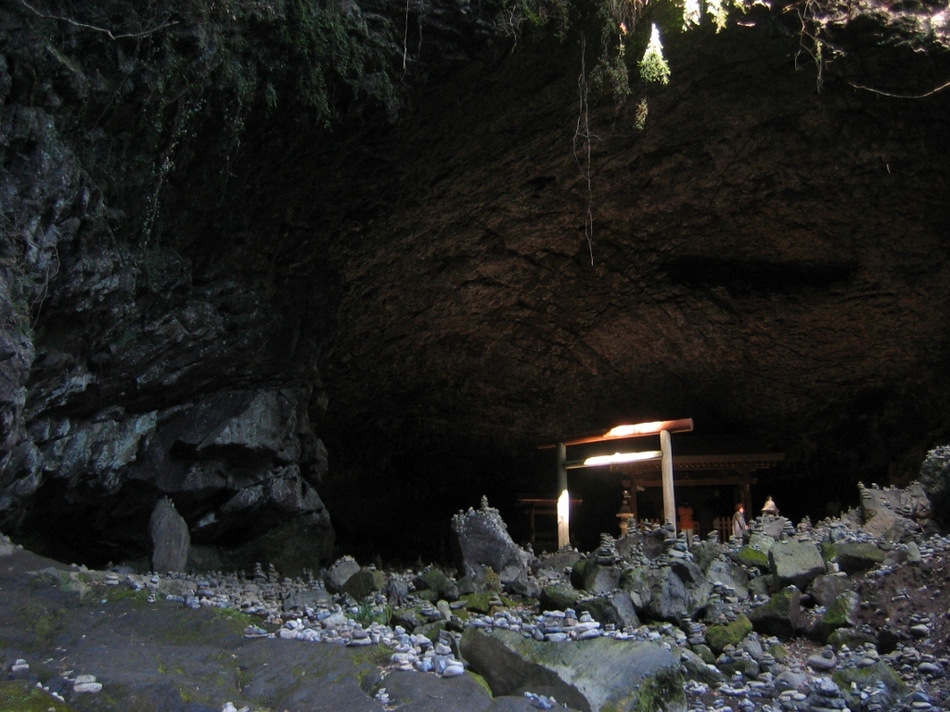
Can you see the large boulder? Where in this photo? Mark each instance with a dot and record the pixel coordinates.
(590, 575)
(339, 573)
(842, 613)
(721, 635)
(934, 478)
(589, 675)
(615, 608)
(780, 615)
(480, 538)
(881, 513)
(826, 589)
(795, 563)
(170, 538)
(666, 593)
(725, 572)
(856, 557)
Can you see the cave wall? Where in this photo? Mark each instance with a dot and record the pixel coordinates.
(129, 375)
(192, 315)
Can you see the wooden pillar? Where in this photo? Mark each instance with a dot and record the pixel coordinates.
(745, 493)
(563, 499)
(666, 469)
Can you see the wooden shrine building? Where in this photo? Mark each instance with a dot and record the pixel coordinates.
(645, 470)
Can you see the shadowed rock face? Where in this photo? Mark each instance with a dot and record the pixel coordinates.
(766, 258)
(756, 259)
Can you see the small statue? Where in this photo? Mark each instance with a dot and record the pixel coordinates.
(770, 508)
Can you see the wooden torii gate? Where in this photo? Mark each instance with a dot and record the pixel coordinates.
(663, 428)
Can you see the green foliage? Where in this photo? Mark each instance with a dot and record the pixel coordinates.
(144, 88)
(369, 613)
(514, 16)
(653, 67)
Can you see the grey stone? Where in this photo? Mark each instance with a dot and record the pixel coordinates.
(779, 615)
(795, 563)
(857, 557)
(595, 577)
(589, 675)
(615, 608)
(722, 570)
(934, 479)
(170, 538)
(480, 538)
(826, 589)
(339, 573)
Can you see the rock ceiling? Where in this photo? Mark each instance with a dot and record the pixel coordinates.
(768, 256)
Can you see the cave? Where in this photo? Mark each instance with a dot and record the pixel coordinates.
(359, 289)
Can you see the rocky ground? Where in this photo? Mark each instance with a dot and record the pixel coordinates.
(358, 638)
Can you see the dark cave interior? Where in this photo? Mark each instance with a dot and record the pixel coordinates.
(388, 315)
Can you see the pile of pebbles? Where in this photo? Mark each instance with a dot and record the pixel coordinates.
(799, 684)
(750, 678)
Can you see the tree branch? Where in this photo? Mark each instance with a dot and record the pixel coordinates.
(902, 96)
(106, 32)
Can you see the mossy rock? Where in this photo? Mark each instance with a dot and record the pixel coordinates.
(558, 598)
(829, 551)
(856, 557)
(22, 696)
(729, 666)
(719, 636)
(363, 583)
(849, 637)
(705, 653)
(870, 676)
(440, 585)
(481, 602)
(579, 573)
(779, 652)
(663, 691)
(481, 681)
(841, 613)
(478, 602)
(779, 615)
(408, 617)
(748, 556)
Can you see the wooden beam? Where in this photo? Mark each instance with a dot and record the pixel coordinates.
(622, 432)
(697, 482)
(742, 462)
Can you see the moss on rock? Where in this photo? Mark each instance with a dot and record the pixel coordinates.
(748, 556)
(21, 696)
(720, 636)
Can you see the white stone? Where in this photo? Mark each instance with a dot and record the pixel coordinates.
(453, 669)
(87, 687)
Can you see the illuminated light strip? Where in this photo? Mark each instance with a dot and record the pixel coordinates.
(622, 457)
(626, 431)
